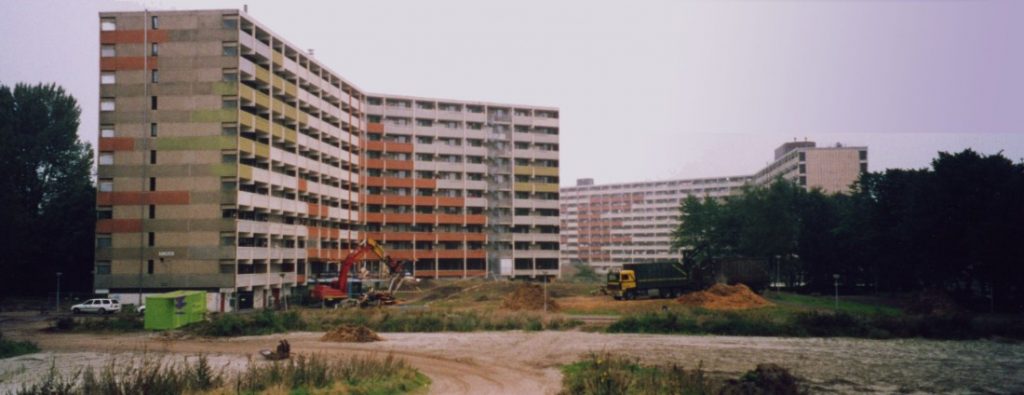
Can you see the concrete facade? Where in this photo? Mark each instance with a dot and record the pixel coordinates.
(607, 225)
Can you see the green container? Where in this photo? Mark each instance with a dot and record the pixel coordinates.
(175, 309)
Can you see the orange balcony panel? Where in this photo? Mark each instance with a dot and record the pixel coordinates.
(450, 236)
(426, 201)
(476, 237)
(450, 273)
(374, 217)
(118, 225)
(374, 127)
(392, 164)
(303, 185)
(373, 199)
(375, 163)
(478, 254)
(312, 253)
(375, 235)
(312, 232)
(374, 146)
(398, 147)
(450, 218)
(476, 219)
(127, 63)
(140, 198)
(457, 254)
(133, 36)
(399, 200)
(399, 182)
(399, 236)
(402, 254)
(117, 144)
(325, 211)
(451, 201)
(333, 233)
(312, 209)
(425, 183)
(398, 218)
(424, 236)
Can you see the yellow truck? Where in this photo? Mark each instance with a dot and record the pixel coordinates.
(654, 279)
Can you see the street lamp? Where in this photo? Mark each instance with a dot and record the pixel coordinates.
(835, 278)
(58, 291)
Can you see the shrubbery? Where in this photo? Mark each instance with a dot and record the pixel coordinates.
(12, 348)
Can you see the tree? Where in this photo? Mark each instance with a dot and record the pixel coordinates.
(46, 192)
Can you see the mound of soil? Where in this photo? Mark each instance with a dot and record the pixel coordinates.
(351, 334)
(528, 297)
(724, 297)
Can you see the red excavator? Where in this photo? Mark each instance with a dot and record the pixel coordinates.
(337, 291)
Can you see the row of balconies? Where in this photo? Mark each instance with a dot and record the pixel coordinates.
(277, 204)
(481, 117)
(265, 279)
(268, 253)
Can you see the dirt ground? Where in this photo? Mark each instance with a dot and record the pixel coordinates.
(528, 362)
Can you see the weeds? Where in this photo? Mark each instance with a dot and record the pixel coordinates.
(605, 374)
(300, 375)
(12, 348)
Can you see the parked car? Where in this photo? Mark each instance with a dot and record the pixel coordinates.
(101, 306)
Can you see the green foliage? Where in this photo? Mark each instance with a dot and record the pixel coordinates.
(357, 375)
(261, 323)
(46, 191)
(12, 348)
(952, 227)
(607, 374)
(122, 322)
(146, 375)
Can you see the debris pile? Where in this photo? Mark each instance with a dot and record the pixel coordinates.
(528, 297)
(351, 334)
(724, 297)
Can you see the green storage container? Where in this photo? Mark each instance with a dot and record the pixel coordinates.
(175, 309)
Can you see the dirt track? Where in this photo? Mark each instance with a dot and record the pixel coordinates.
(527, 362)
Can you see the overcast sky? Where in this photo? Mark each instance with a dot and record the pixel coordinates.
(647, 89)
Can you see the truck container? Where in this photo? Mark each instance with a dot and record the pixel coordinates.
(664, 279)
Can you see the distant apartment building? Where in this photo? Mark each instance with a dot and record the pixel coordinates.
(607, 225)
(231, 161)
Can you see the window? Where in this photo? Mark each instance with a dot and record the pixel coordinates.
(863, 167)
(108, 24)
(152, 157)
(229, 23)
(106, 158)
(229, 103)
(155, 76)
(228, 157)
(152, 211)
(104, 212)
(102, 267)
(107, 77)
(230, 75)
(151, 239)
(230, 49)
(107, 51)
(149, 266)
(103, 240)
(863, 155)
(107, 104)
(106, 130)
(152, 102)
(152, 130)
(228, 129)
(154, 49)
(227, 239)
(154, 22)
(106, 185)
(152, 184)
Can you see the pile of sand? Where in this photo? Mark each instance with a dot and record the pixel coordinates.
(724, 297)
(528, 297)
(351, 334)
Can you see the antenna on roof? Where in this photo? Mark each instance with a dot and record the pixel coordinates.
(245, 7)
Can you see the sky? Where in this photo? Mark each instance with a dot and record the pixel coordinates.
(647, 90)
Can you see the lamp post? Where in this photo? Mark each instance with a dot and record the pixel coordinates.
(835, 278)
(284, 301)
(58, 291)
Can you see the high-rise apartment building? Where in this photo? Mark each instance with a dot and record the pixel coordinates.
(231, 161)
(607, 225)
(452, 185)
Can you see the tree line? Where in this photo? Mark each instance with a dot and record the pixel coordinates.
(47, 197)
(953, 227)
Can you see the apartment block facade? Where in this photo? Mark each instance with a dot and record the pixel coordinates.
(605, 226)
(231, 161)
(452, 185)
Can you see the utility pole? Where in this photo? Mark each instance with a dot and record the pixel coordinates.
(835, 277)
(58, 291)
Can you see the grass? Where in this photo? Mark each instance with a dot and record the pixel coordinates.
(808, 302)
(606, 374)
(381, 320)
(13, 348)
(301, 375)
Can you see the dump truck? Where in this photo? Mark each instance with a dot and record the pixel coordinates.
(663, 279)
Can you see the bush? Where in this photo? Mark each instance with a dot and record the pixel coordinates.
(608, 374)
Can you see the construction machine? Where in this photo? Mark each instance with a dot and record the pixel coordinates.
(338, 290)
